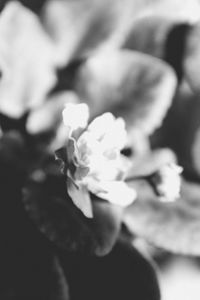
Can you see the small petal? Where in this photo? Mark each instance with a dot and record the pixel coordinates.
(100, 125)
(117, 192)
(61, 157)
(116, 135)
(109, 130)
(76, 115)
(80, 197)
(168, 182)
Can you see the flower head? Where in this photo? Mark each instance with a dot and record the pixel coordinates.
(93, 160)
(167, 182)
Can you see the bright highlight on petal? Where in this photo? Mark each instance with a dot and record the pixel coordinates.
(76, 115)
(100, 125)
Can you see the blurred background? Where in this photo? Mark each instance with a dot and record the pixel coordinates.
(139, 59)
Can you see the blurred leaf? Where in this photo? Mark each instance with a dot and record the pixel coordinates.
(26, 60)
(57, 217)
(180, 131)
(13, 152)
(122, 274)
(77, 25)
(172, 226)
(188, 11)
(47, 116)
(132, 85)
(192, 57)
(81, 26)
(149, 35)
(149, 163)
(35, 6)
(29, 269)
(160, 36)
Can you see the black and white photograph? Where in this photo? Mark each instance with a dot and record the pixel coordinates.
(100, 150)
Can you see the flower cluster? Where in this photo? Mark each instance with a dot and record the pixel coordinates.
(93, 162)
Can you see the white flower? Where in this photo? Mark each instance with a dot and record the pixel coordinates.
(168, 182)
(75, 115)
(94, 159)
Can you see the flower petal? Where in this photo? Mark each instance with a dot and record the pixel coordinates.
(117, 192)
(109, 130)
(80, 197)
(167, 182)
(76, 116)
(116, 136)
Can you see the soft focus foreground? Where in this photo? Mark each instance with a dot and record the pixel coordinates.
(99, 149)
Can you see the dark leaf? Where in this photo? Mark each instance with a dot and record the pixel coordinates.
(122, 274)
(57, 217)
(13, 153)
(192, 57)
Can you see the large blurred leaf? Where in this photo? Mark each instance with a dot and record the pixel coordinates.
(189, 10)
(29, 269)
(122, 274)
(80, 26)
(26, 60)
(132, 85)
(160, 36)
(13, 153)
(150, 162)
(52, 210)
(192, 57)
(172, 226)
(180, 131)
(149, 35)
(48, 116)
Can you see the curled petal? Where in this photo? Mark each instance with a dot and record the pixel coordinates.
(76, 115)
(80, 197)
(117, 192)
